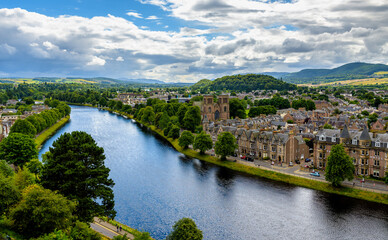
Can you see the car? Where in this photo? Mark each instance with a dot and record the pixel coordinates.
(315, 174)
(307, 160)
(244, 157)
(297, 161)
(291, 164)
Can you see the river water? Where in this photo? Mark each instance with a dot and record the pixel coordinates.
(156, 186)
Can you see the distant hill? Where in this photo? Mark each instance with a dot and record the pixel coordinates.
(247, 82)
(348, 71)
(201, 84)
(142, 80)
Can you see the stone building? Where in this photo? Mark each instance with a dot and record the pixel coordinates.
(214, 111)
(369, 151)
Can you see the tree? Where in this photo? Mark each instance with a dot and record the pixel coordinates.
(18, 149)
(203, 142)
(192, 118)
(41, 211)
(327, 126)
(143, 236)
(339, 166)
(163, 121)
(9, 194)
(23, 126)
(148, 115)
(236, 108)
(185, 229)
(75, 167)
(81, 231)
(225, 145)
(103, 102)
(174, 132)
(186, 139)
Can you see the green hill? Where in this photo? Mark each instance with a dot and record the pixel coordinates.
(348, 71)
(201, 84)
(248, 82)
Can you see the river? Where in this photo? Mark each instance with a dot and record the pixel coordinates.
(156, 186)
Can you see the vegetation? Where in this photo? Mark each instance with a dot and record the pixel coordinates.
(266, 110)
(302, 103)
(203, 142)
(345, 72)
(42, 137)
(339, 166)
(75, 167)
(237, 108)
(185, 229)
(186, 139)
(18, 149)
(250, 82)
(226, 145)
(192, 118)
(41, 211)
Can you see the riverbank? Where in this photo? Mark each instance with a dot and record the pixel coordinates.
(273, 175)
(46, 134)
(270, 174)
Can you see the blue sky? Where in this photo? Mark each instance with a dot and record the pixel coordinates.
(187, 40)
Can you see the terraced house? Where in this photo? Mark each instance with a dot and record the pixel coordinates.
(282, 148)
(369, 151)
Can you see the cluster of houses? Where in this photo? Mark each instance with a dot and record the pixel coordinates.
(8, 115)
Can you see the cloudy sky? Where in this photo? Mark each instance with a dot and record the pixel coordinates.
(187, 40)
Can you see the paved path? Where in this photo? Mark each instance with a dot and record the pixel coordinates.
(107, 229)
(369, 185)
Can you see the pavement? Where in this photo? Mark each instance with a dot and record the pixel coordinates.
(107, 229)
(295, 170)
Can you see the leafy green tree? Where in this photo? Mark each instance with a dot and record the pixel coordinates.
(23, 178)
(236, 108)
(148, 115)
(34, 166)
(103, 102)
(192, 118)
(56, 235)
(186, 139)
(119, 105)
(121, 237)
(365, 113)
(5, 169)
(164, 120)
(143, 236)
(41, 211)
(339, 166)
(185, 229)
(35, 122)
(9, 194)
(82, 231)
(174, 132)
(181, 113)
(75, 167)
(23, 126)
(18, 149)
(203, 142)
(327, 126)
(226, 145)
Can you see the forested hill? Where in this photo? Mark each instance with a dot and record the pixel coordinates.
(348, 71)
(250, 82)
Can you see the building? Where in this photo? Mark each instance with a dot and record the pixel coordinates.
(214, 111)
(368, 151)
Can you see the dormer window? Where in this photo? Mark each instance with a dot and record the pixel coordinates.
(354, 141)
(322, 138)
(377, 144)
(333, 139)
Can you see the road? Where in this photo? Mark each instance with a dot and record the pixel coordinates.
(103, 230)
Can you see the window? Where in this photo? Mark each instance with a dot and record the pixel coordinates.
(377, 163)
(225, 101)
(225, 109)
(362, 161)
(366, 171)
(280, 150)
(210, 109)
(366, 162)
(333, 139)
(367, 152)
(377, 144)
(273, 149)
(377, 153)
(376, 173)
(362, 171)
(363, 152)
(354, 151)
(265, 147)
(354, 141)
(322, 138)
(320, 155)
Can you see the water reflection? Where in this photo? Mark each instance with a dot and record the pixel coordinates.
(156, 186)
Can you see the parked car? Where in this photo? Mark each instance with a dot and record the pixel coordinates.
(307, 160)
(244, 157)
(315, 174)
(291, 164)
(297, 161)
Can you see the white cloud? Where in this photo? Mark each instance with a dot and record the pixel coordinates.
(134, 14)
(241, 36)
(152, 18)
(96, 61)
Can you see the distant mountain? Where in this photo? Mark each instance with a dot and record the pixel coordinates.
(276, 74)
(247, 82)
(348, 71)
(142, 81)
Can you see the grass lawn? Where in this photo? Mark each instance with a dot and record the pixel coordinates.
(46, 134)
